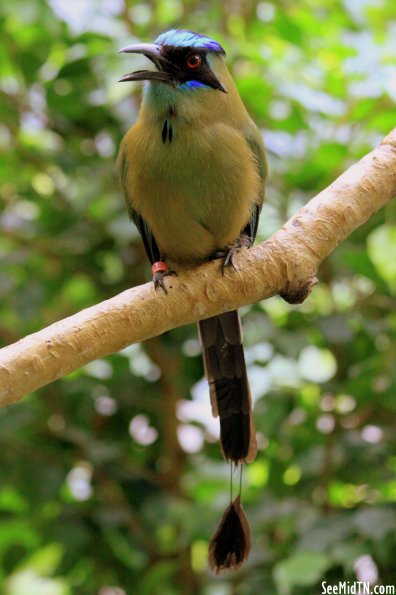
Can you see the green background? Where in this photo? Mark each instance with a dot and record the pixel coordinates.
(111, 480)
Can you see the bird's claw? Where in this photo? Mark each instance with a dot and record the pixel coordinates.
(229, 254)
(158, 279)
(229, 259)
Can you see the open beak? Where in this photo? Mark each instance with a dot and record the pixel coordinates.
(153, 53)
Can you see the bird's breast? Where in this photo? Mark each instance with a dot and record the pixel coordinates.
(194, 185)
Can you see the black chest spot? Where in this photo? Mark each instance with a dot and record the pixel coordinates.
(167, 132)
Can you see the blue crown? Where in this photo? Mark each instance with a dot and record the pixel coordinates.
(186, 38)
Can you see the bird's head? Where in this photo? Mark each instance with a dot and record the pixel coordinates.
(183, 59)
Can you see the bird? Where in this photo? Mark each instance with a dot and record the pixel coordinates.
(192, 170)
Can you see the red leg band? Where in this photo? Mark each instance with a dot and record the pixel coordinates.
(159, 266)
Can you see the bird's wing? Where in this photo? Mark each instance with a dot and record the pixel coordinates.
(149, 242)
(256, 144)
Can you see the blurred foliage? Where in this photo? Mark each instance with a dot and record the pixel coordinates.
(111, 480)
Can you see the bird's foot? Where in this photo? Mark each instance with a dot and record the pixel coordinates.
(231, 251)
(158, 279)
(160, 271)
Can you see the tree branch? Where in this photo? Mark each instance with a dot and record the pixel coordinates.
(286, 264)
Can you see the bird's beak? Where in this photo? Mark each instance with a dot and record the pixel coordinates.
(153, 53)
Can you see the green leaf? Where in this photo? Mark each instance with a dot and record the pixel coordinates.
(46, 560)
(300, 570)
(381, 245)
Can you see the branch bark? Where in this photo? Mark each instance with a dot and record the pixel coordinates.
(285, 264)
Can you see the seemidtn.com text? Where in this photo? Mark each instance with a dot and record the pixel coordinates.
(357, 588)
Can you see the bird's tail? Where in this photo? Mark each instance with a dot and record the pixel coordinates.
(225, 369)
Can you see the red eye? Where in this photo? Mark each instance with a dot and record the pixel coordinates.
(194, 61)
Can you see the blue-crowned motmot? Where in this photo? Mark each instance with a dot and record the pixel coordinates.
(192, 170)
